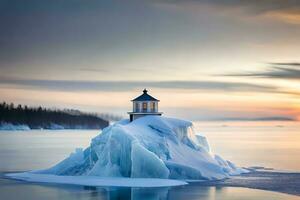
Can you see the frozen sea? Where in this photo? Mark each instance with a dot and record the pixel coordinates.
(273, 145)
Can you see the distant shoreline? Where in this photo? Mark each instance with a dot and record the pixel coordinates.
(25, 128)
(27, 118)
(50, 130)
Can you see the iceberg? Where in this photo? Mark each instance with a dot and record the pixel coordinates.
(151, 147)
(95, 181)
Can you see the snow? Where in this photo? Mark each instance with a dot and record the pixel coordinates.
(54, 126)
(12, 127)
(149, 147)
(96, 180)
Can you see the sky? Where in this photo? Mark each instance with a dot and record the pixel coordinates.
(204, 59)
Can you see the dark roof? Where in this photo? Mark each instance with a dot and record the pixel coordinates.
(145, 97)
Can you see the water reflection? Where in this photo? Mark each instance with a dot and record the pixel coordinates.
(150, 194)
(13, 190)
(124, 193)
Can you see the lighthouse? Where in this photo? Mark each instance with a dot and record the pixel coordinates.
(144, 105)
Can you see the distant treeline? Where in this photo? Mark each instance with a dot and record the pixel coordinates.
(43, 118)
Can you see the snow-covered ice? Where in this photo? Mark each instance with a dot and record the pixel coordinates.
(4, 126)
(150, 147)
(96, 180)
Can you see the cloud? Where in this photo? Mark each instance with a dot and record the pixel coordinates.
(290, 16)
(82, 85)
(272, 118)
(287, 11)
(93, 70)
(286, 63)
(290, 70)
(225, 114)
(257, 6)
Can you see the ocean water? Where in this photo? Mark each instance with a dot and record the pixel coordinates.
(14, 190)
(268, 144)
(247, 144)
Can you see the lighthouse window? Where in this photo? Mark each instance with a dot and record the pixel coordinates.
(137, 109)
(152, 106)
(144, 106)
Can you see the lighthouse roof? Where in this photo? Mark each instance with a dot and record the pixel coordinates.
(145, 97)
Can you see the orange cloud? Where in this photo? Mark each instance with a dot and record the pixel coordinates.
(291, 16)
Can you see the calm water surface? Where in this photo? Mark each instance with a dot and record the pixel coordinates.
(274, 146)
(269, 144)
